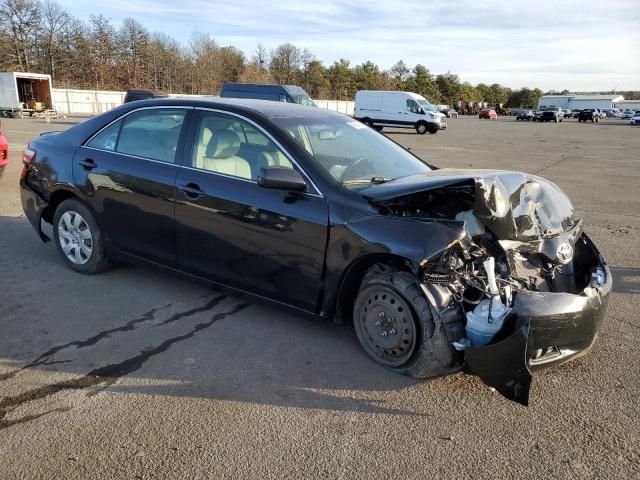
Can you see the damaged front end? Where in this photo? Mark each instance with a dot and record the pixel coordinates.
(522, 288)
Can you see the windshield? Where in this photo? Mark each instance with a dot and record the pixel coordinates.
(352, 153)
(304, 100)
(426, 105)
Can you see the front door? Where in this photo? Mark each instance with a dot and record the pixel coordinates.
(235, 232)
(127, 173)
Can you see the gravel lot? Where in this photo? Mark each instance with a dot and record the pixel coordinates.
(195, 383)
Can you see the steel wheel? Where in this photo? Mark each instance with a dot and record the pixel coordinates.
(75, 237)
(421, 128)
(387, 326)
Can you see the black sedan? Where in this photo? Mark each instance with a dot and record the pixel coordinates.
(525, 115)
(438, 270)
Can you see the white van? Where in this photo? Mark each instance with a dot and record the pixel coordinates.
(380, 109)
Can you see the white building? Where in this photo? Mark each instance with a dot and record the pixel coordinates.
(561, 101)
(577, 101)
(628, 105)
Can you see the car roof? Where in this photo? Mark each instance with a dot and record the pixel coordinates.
(266, 108)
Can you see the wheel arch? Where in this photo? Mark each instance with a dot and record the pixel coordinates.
(55, 199)
(352, 279)
(60, 195)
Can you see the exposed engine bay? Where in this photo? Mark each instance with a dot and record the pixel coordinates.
(521, 238)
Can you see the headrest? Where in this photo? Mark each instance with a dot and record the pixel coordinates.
(212, 123)
(223, 144)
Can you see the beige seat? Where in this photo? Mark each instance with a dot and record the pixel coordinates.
(274, 158)
(221, 155)
(208, 126)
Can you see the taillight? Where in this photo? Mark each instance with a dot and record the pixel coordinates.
(28, 156)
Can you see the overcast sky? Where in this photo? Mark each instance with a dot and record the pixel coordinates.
(577, 45)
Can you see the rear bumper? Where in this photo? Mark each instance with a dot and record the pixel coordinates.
(33, 206)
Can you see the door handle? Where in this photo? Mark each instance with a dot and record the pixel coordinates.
(191, 190)
(88, 164)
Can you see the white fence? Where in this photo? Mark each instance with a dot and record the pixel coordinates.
(95, 102)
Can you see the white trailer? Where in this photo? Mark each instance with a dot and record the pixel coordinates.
(22, 92)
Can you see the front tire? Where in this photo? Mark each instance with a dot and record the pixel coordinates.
(79, 238)
(395, 327)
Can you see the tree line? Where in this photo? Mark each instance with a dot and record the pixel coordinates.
(43, 37)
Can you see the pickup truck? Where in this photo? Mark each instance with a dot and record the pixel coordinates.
(589, 115)
(551, 114)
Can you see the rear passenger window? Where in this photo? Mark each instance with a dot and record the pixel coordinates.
(151, 133)
(228, 145)
(107, 138)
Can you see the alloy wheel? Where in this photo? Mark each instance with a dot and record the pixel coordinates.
(75, 237)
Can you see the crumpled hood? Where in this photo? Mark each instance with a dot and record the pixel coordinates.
(513, 205)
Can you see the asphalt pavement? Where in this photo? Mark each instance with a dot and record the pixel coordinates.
(136, 373)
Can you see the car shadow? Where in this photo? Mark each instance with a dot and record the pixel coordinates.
(140, 330)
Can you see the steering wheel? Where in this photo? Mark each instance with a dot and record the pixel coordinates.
(356, 170)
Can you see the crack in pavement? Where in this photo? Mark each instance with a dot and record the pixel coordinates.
(106, 375)
(44, 359)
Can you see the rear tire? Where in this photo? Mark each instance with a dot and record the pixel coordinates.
(395, 326)
(377, 128)
(421, 128)
(79, 238)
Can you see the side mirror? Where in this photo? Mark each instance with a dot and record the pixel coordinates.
(281, 178)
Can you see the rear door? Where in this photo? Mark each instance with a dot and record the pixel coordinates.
(127, 172)
(235, 232)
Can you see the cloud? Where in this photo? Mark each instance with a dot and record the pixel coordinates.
(579, 45)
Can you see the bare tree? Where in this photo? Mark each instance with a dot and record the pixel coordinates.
(21, 19)
(285, 63)
(133, 43)
(54, 23)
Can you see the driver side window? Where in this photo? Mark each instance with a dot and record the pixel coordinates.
(412, 106)
(228, 145)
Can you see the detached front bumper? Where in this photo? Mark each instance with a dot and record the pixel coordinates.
(548, 328)
(564, 325)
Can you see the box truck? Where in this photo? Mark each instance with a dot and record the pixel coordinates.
(22, 92)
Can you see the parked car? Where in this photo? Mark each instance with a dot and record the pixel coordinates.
(612, 112)
(488, 113)
(635, 120)
(551, 114)
(437, 269)
(134, 95)
(379, 109)
(449, 113)
(525, 115)
(567, 113)
(4, 154)
(589, 115)
(575, 113)
(265, 91)
(628, 114)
